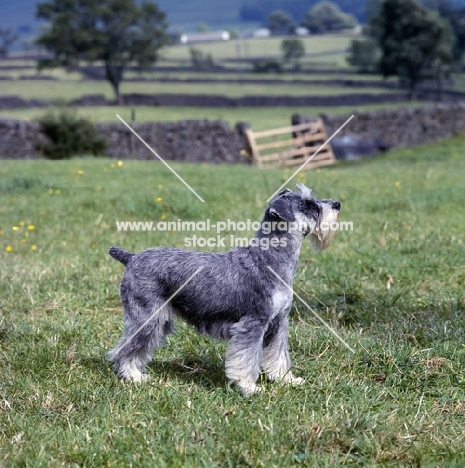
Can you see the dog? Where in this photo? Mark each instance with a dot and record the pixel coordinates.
(243, 295)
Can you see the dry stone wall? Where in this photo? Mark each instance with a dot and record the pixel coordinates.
(398, 128)
(20, 139)
(187, 140)
(217, 142)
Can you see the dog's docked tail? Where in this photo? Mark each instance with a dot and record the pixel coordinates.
(121, 255)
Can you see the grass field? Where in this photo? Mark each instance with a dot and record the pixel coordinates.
(68, 90)
(260, 118)
(259, 48)
(392, 288)
(242, 73)
(329, 48)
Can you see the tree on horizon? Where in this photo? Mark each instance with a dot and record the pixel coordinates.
(117, 33)
(412, 39)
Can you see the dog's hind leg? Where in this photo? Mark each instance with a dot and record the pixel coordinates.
(146, 326)
(276, 361)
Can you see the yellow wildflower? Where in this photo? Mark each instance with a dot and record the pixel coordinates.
(31, 227)
(15, 228)
(158, 199)
(9, 248)
(120, 163)
(33, 247)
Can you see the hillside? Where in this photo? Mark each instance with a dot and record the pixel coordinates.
(187, 14)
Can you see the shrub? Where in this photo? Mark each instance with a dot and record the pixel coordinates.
(364, 54)
(69, 135)
(293, 50)
(200, 60)
(266, 66)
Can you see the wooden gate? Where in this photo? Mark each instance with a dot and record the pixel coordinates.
(291, 146)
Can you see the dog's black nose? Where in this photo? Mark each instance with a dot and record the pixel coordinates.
(336, 205)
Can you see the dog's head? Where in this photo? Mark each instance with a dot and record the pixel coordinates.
(304, 213)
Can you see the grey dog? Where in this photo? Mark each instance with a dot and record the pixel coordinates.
(243, 295)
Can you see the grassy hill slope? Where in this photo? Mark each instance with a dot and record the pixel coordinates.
(185, 14)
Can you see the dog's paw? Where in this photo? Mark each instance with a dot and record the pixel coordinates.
(136, 378)
(291, 379)
(249, 389)
(143, 378)
(295, 381)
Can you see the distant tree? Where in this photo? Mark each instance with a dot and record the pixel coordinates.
(327, 16)
(233, 33)
(437, 5)
(200, 60)
(7, 39)
(412, 40)
(258, 10)
(293, 50)
(456, 17)
(457, 21)
(372, 12)
(118, 33)
(364, 54)
(279, 22)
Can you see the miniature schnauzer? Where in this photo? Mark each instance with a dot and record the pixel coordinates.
(237, 295)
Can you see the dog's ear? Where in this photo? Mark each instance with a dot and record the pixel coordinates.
(284, 191)
(282, 208)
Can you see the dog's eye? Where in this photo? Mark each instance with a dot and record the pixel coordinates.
(311, 208)
(310, 204)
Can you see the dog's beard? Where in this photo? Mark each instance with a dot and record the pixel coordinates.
(323, 234)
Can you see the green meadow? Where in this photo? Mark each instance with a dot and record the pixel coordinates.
(392, 288)
(67, 90)
(260, 118)
(326, 51)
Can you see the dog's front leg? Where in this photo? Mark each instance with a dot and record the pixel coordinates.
(276, 361)
(244, 354)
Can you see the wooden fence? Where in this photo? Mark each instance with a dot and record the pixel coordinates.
(291, 146)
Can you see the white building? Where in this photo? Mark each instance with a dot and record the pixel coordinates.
(210, 36)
